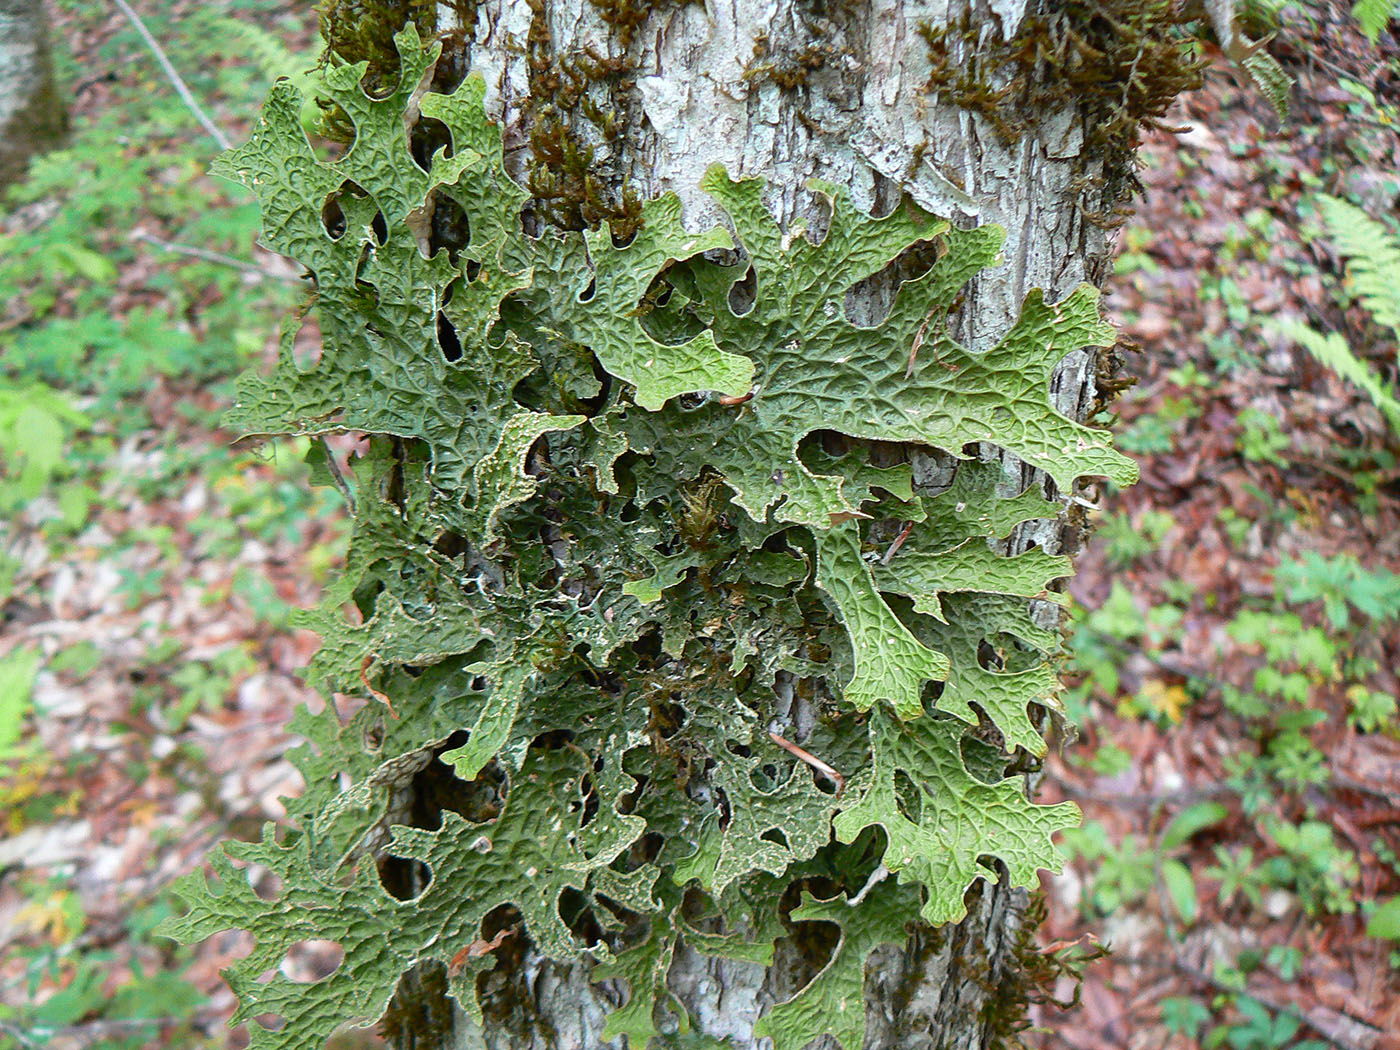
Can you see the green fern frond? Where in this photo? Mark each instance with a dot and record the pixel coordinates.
(1270, 79)
(1372, 253)
(1373, 15)
(267, 50)
(1332, 351)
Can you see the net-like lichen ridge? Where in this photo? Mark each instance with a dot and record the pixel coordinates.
(617, 524)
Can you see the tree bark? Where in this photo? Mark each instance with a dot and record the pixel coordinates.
(793, 91)
(31, 111)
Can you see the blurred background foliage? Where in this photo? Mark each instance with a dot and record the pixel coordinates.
(1232, 657)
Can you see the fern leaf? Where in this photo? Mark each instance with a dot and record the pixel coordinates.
(1373, 15)
(1372, 252)
(1332, 350)
(1268, 76)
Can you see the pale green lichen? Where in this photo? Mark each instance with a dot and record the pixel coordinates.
(591, 578)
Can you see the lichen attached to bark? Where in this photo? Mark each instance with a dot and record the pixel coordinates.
(676, 655)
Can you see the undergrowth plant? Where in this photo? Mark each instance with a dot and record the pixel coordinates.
(653, 579)
(1372, 253)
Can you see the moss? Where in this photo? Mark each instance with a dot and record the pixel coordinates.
(1120, 62)
(625, 17)
(788, 71)
(1029, 978)
(569, 187)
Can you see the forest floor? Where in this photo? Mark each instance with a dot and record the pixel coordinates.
(1237, 613)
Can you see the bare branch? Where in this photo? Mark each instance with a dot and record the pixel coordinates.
(252, 269)
(181, 88)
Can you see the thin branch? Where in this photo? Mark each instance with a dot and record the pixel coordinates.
(191, 250)
(336, 475)
(180, 88)
(812, 760)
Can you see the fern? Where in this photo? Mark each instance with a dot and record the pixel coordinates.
(272, 56)
(1374, 15)
(1372, 253)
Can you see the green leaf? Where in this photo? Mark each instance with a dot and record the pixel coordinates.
(17, 672)
(1180, 888)
(1385, 921)
(1191, 821)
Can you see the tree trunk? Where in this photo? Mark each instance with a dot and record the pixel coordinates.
(31, 112)
(840, 91)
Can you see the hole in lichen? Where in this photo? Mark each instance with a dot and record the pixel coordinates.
(451, 228)
(868, 302)
(263, 882)
(988, 658)
(332, 218)
(744, 293)
(311, 961)
(907, 796)
(429, 136)
(775, 836)
(448, 342)
(576, 911)
(588, 293)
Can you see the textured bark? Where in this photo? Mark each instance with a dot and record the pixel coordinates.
(697, 94)
(31, 112)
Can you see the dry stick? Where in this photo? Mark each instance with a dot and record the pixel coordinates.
(336, 475)
(214, 257)
(180, 88)
(812, 760)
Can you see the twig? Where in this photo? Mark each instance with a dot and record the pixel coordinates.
(252, 269)
(879, 875)
(383, 698)
(898, 542)
(812, 760)
(174, 77)
(918, 342)
(336, 475)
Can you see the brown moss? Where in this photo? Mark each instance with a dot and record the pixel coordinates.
(1029, 979)
(789, 71)
(567, 183)
(625, 17)
(1119, 62)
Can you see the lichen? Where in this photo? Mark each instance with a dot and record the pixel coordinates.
(601, 551)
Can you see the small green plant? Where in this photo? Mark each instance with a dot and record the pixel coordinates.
(1372, 253)
(1262, 439)
(36, 423)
